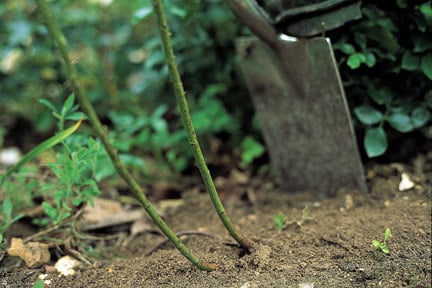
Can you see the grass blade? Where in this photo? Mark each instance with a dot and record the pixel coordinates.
(45, 145)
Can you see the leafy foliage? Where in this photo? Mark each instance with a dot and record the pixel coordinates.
(75, 184)
(280, 221)
(124, 72)
(388, 70)
(251, 149)
(72, 170)
(385, 61)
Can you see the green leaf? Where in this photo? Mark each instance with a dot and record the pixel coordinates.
(426, 65)
(67, 106)
(381, 95)
(387, 234)
(6, 215)
(104, 167)
(251, 149)
(410, 61)
(400, 122)
(177, 11)
(213, 90)
(368, 115)
(361, 40)
(421, 24)
(76, 116)
(421, 43)
(280, 221)
(385, 249)
(132, 161)
(7, 208)
(387, 24)
(48, 104)
(142, 13)
(160, 125)
(354, 60)
(426, 9)
(402, 4)
(62, 217)
(19, 32)
(77, 201)
(420, 116)
(346, 48)
(38, 284)
(375, 142)
(57, 116)
(370, 60)
(376, 244)
(50, 210)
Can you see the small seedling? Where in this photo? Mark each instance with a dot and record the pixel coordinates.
(38, 284)
(304, 217)
(280, 221)
(383, 245)
(67, 112)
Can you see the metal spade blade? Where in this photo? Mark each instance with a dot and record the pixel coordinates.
(305, 121)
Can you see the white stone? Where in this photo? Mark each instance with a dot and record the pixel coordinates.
(405, 183)
(306, 285)
(10, 156)
(66, 264)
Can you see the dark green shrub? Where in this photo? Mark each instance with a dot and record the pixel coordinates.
(386, 64)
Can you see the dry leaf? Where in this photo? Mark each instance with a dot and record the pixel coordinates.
(102, 208)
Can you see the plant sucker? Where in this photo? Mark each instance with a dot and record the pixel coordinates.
(101, 132)
(187, 122)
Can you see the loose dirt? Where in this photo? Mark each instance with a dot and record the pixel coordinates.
(330, 248)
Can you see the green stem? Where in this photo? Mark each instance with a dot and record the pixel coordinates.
(103, 136)
(187, 122)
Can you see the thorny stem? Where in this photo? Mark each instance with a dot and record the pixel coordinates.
(101, 132)
(187, 122)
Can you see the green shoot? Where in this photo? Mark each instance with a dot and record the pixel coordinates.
(7, 219)
(73, 168)
(280, 221)
(38, 284)
(67, 112)
(251, 149)
(383, 245)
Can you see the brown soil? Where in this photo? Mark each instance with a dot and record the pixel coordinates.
(331, 248)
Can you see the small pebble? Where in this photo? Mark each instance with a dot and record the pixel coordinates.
(306, 285)
(10, 156)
